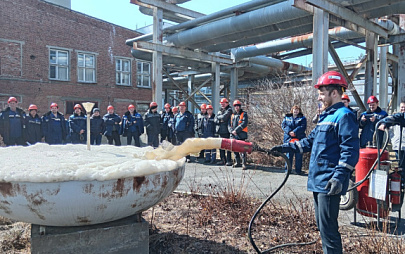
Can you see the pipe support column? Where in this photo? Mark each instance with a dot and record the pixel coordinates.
(383, 84)
(234, 84)
(190, 89)
(215, 87)
(157, 59)
(320, 44)
(370, 82)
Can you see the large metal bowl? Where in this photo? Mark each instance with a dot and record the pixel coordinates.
(79, 203)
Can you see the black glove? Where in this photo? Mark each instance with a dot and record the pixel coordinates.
(335, 187)
(276, 149)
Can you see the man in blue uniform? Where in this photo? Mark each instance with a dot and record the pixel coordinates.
(334, 147)
(152, 124)
(222, 120)
(33, 126)
(165, 133)
(12, 123)
(238, 128)
(96, 127)
(78, 125)
(132, 126)
(112, 126)
(184, 125)
(54, 126)
(368, 121)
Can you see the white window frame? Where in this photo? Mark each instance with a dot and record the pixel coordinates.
(58, 65)
(119, 71)
(86, 68)
(141, 74)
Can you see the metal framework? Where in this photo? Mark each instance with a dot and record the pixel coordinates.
(231, 46)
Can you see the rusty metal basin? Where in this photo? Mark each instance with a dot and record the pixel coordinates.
(79, 203)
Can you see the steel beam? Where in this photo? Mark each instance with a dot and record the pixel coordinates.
(320, 43)
(168, 7)
(392, 39)
(157, 59)
(349, 80)
(349, 15)
(215, 86)
(383, 78)
(181, 53)
(199, 87)
(179, 87)
(234, 84)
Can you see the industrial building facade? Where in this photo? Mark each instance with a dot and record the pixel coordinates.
(49, 53)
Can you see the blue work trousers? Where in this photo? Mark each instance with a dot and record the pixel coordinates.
(326, 215)
(298, 161)
(95, 139)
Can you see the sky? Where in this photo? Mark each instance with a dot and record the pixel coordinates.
(123, 13)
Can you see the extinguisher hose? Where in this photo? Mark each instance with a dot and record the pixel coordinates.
(287, 174)
(357, 184)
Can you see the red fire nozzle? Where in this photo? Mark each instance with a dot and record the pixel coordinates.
(236, 145)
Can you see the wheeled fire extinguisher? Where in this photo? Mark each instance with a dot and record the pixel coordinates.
(395, 187)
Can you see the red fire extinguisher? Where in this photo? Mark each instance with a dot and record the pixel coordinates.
(395, 187)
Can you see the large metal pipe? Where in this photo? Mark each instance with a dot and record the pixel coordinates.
(221, 14)
(304, 41)
(278, 64)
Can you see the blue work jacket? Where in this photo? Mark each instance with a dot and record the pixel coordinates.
(54, 128)
(334, 146)
(208, 126)
(132, 123)
(368, 127)
(184, 122)
(298, 125)
(111, 123)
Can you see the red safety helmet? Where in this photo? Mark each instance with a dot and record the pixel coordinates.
(12, 99)
(210, 107)
(153, 104)
(203, 106)
(175, 109)
(77, 106)
(237, 102)
(33, 107)
(53, 104)
(345, 97)
(110, 107)
(167, 105)
(372, 99)
(182, 104)
(331, 78)
(131, 106)
(224, 100)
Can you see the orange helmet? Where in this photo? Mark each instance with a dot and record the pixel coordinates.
(53, 104)
(131, 106)
(224, 100)
(345, 97)
(77, 106)
(203, 106)
(33, 107)
(237, 102)
(110, 107)
(167, 105)
(175, 109)
(331, 78)
(210, 107)
(372, 99)
(12, 99)
(182, 104)
(153, 104)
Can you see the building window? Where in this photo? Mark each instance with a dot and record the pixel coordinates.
(143, 74)
(123, 72)
(86, 64)
(58, 64)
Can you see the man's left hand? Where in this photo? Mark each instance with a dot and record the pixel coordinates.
(335, 187)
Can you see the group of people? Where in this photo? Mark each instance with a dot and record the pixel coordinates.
(174, 124)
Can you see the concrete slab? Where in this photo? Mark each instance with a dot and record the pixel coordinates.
(128, 235)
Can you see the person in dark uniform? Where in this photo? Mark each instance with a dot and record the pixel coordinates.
(152, 124)
(33, 126)
(184, 126)
(222, 120)
(208, 130)
(78, 125)
(165, 133)
(112, 126)
(132, 126)
(54, 126)
(238, 128)
(368, 121)
(198, 123)
(12, 123)
(96, 127)
(172, 124)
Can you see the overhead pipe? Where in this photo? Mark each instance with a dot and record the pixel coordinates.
(278, 64)
(304, 41)
(221, 14)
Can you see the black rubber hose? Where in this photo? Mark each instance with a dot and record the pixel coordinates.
(287, 174)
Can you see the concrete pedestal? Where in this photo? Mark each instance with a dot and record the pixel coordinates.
(128, 235)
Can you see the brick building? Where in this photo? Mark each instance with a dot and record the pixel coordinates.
(49, 53)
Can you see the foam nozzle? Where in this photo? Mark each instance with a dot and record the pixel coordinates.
(236, 145)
